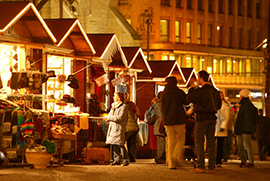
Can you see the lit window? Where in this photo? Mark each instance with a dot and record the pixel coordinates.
(199, 33)
(164, 30)
(188, 32)
(177, 31)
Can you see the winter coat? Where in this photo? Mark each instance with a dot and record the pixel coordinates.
(117, 127)
(223, 124)
(246, 118)
(172, 100)
(262, 127)
(159, 115)
(132, 124)
(204, 107)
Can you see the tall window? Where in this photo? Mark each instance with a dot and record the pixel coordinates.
(210, 34)
(239, 38)
(189, 4)
(220, 36)
(178, 4)
(220, 6)
(249, 13)
(199, 33)
(257, 8)
(188, 32)
(257, 38)
(248, 39)
(210, 5)
(164, 30)
(165, 2)
(230, 36)
(177, 31)
(230, 7)
(200, 5)
(240, 3)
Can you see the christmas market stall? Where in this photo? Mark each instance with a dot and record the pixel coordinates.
(23, 34)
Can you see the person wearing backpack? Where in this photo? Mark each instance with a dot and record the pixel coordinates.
(172, 101)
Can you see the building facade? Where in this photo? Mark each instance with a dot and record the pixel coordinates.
(223, 37)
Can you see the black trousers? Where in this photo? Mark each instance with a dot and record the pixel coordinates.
(262, 147)
(131, 138)
(219, 156)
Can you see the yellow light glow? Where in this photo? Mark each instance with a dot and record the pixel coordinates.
(30, 5)
(215, 61)
(218, 27)
(82, 31)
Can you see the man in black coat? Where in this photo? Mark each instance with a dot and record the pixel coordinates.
(207, 101)
(172, 101)
(244, 128)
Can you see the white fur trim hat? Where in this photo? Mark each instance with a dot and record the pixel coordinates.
(244, 93)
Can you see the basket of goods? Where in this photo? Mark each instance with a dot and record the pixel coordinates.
(40, 155)
(57, 131)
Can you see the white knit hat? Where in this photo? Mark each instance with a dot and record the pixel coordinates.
(244, 93)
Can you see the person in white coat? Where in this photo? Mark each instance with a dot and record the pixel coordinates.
(221, 131)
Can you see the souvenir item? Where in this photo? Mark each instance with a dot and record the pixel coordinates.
(44, 78)
(50, 73)
(62, 78)
(14, 80)
(23, 81)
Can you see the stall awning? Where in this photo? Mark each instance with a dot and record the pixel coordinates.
(188, 74)
(23, 21)
(136, 59)
(70, 34)
(108, 47)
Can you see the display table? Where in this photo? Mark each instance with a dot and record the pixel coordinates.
(60, 138)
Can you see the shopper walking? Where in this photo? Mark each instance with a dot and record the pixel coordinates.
(206, 101)
(132, 128)
(262, 135)
(172, 102)
(161, 142)
(244, 128)
(221, 128)
(118, 117)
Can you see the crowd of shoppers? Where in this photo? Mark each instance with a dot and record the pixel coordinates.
(215, 123)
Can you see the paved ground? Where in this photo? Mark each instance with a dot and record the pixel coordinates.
(143, 169)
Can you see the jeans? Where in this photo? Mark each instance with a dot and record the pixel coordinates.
(176, 139)
(161, 145)
(131, 138)
(205, 128)
(244, 143)
(117, 150)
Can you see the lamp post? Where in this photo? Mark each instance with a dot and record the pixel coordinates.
(148, 16)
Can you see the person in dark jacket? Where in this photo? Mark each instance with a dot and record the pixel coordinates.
(161, 142)
(206, 101)
(244, 128)
(132, 128)
(262, 135)
(172, 101)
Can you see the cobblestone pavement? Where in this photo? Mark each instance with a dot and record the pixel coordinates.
(143, 169)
